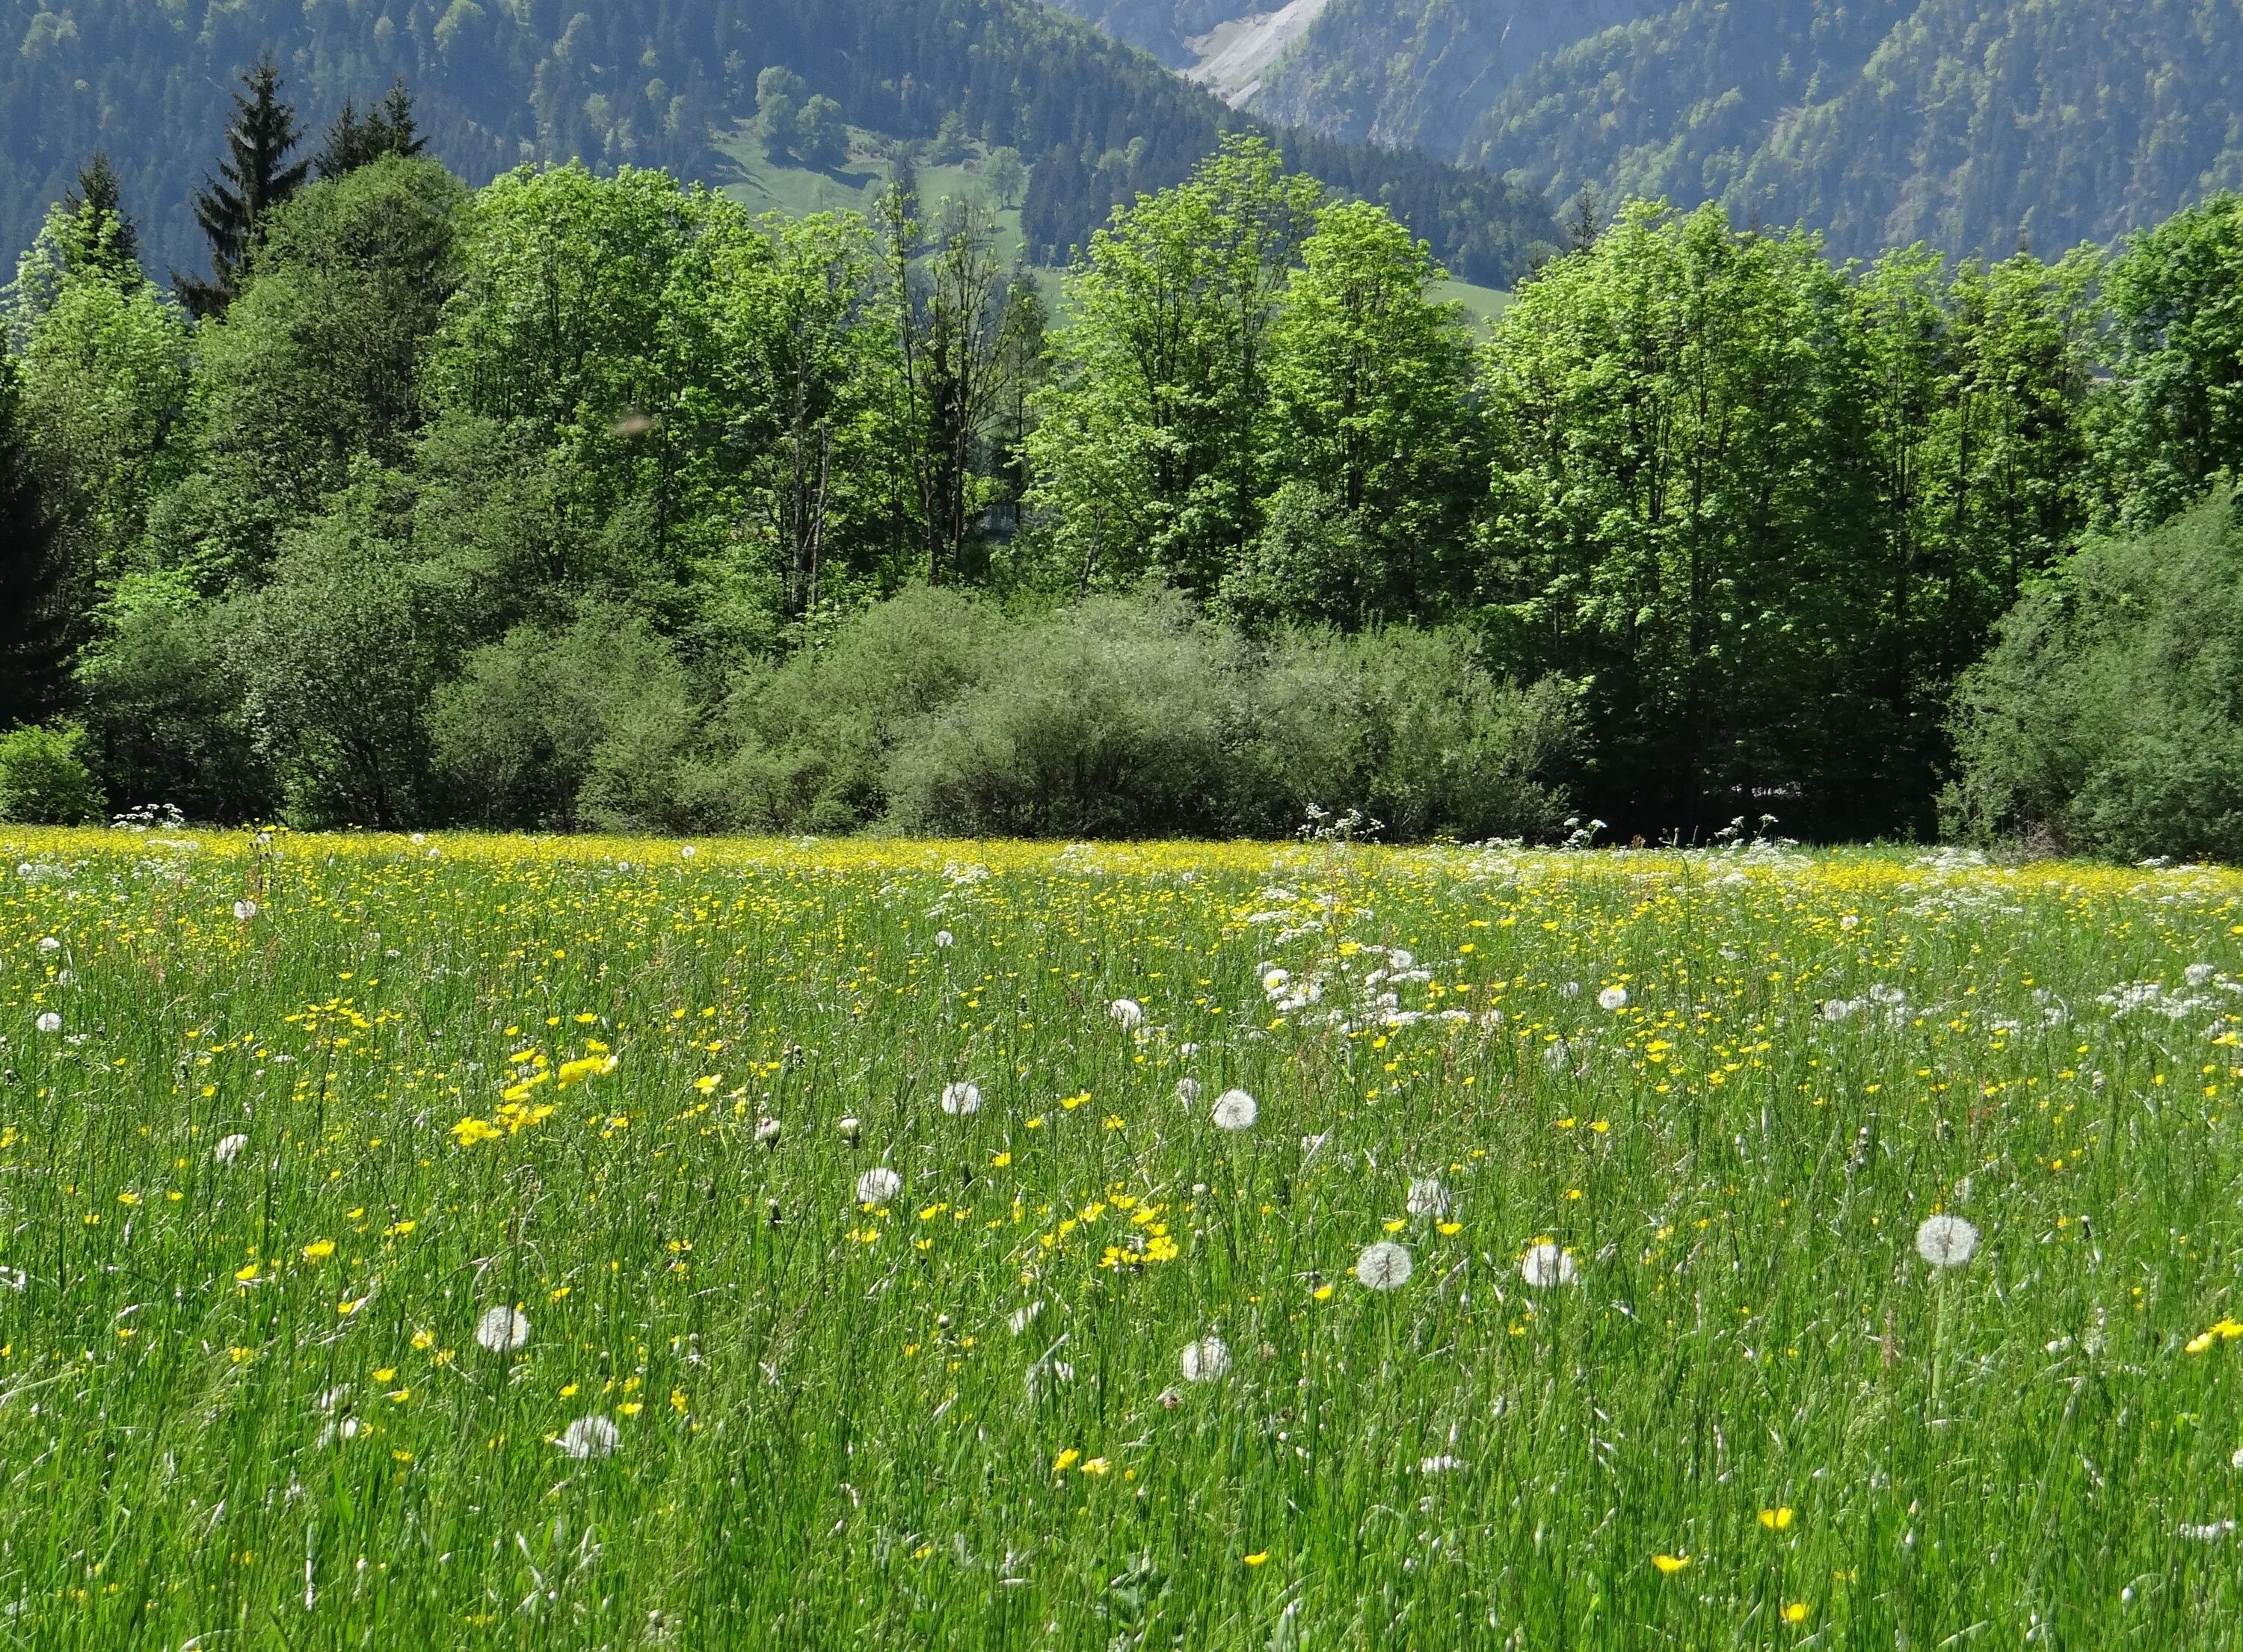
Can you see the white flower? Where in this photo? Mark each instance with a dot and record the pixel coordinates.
(593, 1436)
(244, 911)
(689, 851)
(943, 937)
(1546, 1266)
(503, 1329)
(1427, 1198)
(1236, 1109)
(2236, 1462)
(848, 1127)
(1612, 998)
(768, 1131)
(229, 1148)
(2199, 974)
(1838, 1009)
(1385, 1266)
(1946, 1241)
(1206, 1360)
(1128, 1012)
(48, 1022)
(420, 837)
(878, 1185)
(962, 1099)
(1570, 990)
(1275, 982)
(1188, 1091)
(48, 943)
(1440, 1465)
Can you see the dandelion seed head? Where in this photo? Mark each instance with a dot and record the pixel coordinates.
(849, 1128)
(878, 1185)
(1127, 1012)
(1206, 1360)
(962, 1099)
(1428, 1198)
(244, 911)
(229, 1148)
(1188, 1091)
(48, 1022)
(1546, 1266)
(1236, 1109)
(944, 938)
(1385, 1266)
(502, 1329)
(2199, 974)
(1612, 998)
(592, 1436)
(768, 1132)
(1946, 1241)
(49, 944)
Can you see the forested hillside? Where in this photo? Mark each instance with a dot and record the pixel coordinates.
(645, 83)
(1976, 125)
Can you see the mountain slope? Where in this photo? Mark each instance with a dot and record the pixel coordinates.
(1972, 124)
(646, 82)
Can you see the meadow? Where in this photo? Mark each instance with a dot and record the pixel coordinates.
(586, 1243)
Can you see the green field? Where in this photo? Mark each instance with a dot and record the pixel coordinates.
(576, 1243)
(763, 186)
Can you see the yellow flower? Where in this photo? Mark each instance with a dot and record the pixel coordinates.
(1257, 1560)
(387, 1373)
(1066, 1461)
(629, 1409)
(1797, 1612)
(1776, 1520)
(1000, 1161)
(471, 1130)
(1449, 1230)
(2226, 1331)
(318, 1250)
(591, 1067)
(1670, 1564)
(1095, 1466)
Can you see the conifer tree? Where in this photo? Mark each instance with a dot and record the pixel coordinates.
(253, 180)
(356, 140)
(100, 238)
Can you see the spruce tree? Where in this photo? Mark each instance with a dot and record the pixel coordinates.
(356, 140)
(100, 239)
(253, 180)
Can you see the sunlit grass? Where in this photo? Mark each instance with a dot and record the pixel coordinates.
(463, 1244)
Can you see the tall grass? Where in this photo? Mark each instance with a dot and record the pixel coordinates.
(960, 1417)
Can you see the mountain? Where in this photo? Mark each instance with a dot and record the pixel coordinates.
(662, 82)
(1976, 125)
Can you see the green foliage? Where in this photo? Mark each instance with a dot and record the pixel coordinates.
(33, 620)
(43, 778)
(2108, 718)
(2176, 421)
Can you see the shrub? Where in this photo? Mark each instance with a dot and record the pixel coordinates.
(43, 779)
(1410, 728)
(2108, 717)
(1110, 718)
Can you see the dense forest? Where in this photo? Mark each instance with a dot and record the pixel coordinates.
(650, 83)
(583, 498)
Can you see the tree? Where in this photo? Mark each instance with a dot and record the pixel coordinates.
(1681, 516)
(779, 93)
(32, 631)
(820, 140)
(86, 234)
(1370, 381)
(2175, 420)
(1147, 452)
(1008, 178)
(253, 178)
(949, 311)
(358, 140)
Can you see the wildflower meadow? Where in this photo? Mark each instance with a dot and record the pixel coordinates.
(586, 1243)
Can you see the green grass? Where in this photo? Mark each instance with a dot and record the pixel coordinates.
(242, 1402)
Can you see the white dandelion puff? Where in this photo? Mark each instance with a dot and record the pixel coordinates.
(1428, 1198)
(244, 911)
(2236, 1462)
(689, 851)
(944, 938)
(961, 1100)
(1946, 1241)
(849, 1128)
(48, 1022)
(1546, 1266)
(878, 1185)
(1385, 1266)
(2199, 974)
(502, 1329)
(1188, 1091)
(1838, 1009)
(1236, 1109)
(768, 1132)
(1024, 1317)
(1274, 982)
(1128, 1012)
(1612, 998)
(1570, 990)
(49, 944)
(1206, 1360)
(592, 1436)
(229, 1148)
